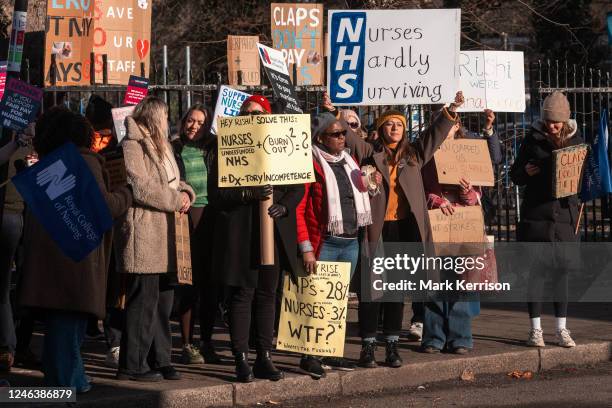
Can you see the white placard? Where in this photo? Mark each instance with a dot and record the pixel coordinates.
(229, 102)
(492, 80)
(273, 59)
(393, 57)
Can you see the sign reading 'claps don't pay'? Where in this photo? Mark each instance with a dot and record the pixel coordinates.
(264, 149)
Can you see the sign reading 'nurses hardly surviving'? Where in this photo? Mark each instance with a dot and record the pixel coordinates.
(492, 80)
(393, 57)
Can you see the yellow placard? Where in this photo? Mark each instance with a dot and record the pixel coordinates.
(264, 149)
(467, 158)
(313, 312)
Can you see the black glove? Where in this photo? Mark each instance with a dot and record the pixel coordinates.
(258, 193)
(277, 211)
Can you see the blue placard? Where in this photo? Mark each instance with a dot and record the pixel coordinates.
(64, 196)
(347, 51)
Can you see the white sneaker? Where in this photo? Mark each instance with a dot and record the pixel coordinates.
(564, 339)
(415, 332)
(536, 338)
(112, 358)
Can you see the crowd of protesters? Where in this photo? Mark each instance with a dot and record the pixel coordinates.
(129, 282)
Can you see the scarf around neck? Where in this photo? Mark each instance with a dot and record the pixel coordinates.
(334, 209)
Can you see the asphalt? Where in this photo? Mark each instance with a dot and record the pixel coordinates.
(499, 334)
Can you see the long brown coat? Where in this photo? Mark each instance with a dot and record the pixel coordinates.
(409, 175)
(144, 239)
(53, 281)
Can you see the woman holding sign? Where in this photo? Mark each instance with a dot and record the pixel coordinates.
(193, 151)
(545, 218)
(68, 292)
(449, 323)
(399, 214)
(252, 287)
(145, 244)
(333, 210)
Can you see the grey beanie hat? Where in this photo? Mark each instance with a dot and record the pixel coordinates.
(556, 108)
(321, 122)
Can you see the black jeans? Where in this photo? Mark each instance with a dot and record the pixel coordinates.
(146, 340)
(12, 228)
(262, 302)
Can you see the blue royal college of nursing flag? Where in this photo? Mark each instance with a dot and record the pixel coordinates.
(597, 180)
(64, 196)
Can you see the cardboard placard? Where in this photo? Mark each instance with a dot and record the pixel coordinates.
(297, 30)
(264, 149)
(313, 313)
(121, 29)
(393, 57)
(117, 173)
(242, 56)
(183, 249)
(137, 90)
(276, 70)
(467, 158)
(20, 104)
(492, 80)
(461, 233)
(568, 165)
(119, 115)
(229, 103)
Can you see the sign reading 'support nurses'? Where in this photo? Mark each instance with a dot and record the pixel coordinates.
(264, 149)
(313, 312)
(393, 57)
(492, 80)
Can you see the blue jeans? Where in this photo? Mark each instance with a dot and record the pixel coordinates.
(12, 227)
(449, 323)
(61, 359)
(334, 249)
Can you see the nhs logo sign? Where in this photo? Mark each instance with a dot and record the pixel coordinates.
(347, 56)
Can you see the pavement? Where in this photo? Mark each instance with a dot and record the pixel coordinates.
(499, 334)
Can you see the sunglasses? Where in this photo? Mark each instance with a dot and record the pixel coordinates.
(353, 125)
(252, 113)
(340, 133)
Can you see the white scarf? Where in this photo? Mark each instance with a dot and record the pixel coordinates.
(334, 209)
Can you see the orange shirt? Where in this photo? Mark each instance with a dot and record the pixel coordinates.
(397, 206)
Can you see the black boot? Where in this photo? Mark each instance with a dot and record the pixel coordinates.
(264, 367)
(367, 358)
(243, 371)
(393, 358)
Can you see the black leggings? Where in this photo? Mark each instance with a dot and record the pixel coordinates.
(260, 301)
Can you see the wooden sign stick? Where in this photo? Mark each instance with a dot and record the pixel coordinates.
(266, 233)
(579, 218)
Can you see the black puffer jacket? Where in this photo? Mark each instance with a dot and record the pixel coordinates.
(543, 217)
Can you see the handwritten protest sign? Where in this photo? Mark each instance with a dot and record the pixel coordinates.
(121, 29)
(264, 149)
(137, 90)
(467, 158)
(119, 115)
(393, 57)
(19, 105)
(183, 249)
(242, 56)
(492, 80)
(70, 37)
(461, 233)
(297, 30)
(313, 312)
(2, 79)
(229, 102)
(568, 164)
(276, 70)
